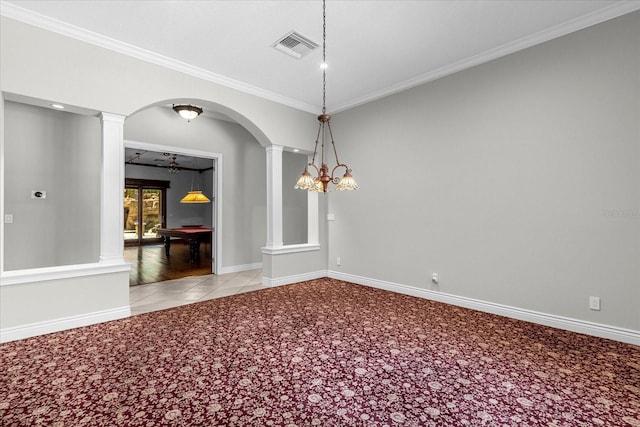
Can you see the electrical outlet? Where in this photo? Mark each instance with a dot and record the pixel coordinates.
(435, 278)
(594, 303)
(338, 261)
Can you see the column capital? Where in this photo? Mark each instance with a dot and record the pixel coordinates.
(110, 117)
(275, 148)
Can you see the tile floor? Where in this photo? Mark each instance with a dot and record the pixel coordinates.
(173, 293)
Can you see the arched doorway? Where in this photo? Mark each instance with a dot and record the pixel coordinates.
(237, 214)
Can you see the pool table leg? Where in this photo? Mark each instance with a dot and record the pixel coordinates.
(194, 250)
(167, 245)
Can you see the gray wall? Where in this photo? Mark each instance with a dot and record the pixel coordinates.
(60, 153)
(294, 202)
(244, 170)
(97, 79)
(518, 181)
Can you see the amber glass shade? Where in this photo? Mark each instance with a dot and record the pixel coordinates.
(195, 197)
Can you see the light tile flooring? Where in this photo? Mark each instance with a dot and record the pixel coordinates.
(173, 293)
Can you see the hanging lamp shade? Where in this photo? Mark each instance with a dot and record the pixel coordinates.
(195, 196)
(347, 182)
(305, 182)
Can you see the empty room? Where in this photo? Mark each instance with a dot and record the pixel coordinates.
(320, 213)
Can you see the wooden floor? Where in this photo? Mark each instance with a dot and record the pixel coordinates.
(149, 263)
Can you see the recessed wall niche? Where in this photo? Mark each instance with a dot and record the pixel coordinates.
(294, 202)
(58, 153)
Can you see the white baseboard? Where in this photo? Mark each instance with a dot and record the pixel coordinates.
(566, 323)
(294, 278)
(239, 268)
(575, 325)
(56, 325)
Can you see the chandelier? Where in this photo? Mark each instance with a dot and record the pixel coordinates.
(174, 167)
(322, 179)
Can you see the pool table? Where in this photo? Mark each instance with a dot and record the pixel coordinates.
(194, 235)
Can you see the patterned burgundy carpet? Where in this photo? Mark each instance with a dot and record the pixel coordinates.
(319, 353)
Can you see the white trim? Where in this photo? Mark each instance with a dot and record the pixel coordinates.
(289, 249)
(274, 196)
(217, 182)
(64, 323)
(313, 216)
(561, 322)
(50, 24)
(239, 268)
(616, 9)
(16, 277)
(287, 280)
(2, 184)
(111, 185)
(18, 13)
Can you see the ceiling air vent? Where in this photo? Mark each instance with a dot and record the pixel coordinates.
(294, 44)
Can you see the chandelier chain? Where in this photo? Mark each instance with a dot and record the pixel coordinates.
(324, 57)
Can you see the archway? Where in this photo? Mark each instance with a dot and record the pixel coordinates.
(238, 204)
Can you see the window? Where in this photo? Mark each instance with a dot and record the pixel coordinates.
(145, 210)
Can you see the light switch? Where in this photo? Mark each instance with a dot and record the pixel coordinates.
(8, 218)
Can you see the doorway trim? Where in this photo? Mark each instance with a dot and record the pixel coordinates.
(216, 251)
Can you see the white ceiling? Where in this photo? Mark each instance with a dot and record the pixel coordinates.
(374, 48)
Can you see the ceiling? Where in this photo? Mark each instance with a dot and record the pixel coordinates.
(374, 48)
(136, 156)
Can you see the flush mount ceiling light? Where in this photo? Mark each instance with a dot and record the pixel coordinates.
(187, 112)
(320, 182)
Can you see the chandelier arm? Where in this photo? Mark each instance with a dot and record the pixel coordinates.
(335, 150)
(322, 139)
(315, 149)
(315, 167)
(336, 179)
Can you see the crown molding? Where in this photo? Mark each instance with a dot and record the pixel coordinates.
(18, 13)
(23, 15)
(610, 12)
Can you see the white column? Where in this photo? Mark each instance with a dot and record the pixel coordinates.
(274, 196)
(2, 183)
(313, 232)
(112, 187)
(313, 223)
